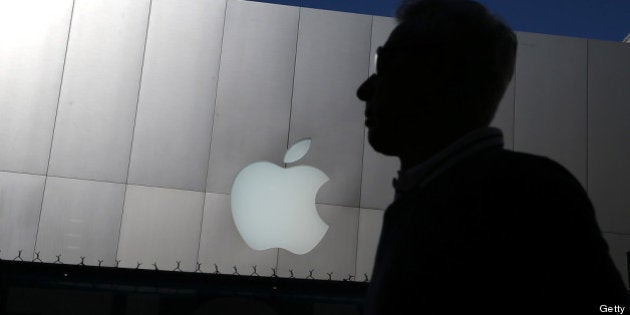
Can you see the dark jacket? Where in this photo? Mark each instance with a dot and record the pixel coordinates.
(500, 232)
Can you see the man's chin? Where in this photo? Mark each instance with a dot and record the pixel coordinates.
(382, 144)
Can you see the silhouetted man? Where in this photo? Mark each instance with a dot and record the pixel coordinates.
(473, 228)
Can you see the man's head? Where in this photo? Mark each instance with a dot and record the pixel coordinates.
(441, 73)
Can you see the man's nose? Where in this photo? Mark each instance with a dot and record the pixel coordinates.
(366, 89)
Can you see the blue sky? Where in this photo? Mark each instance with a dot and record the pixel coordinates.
(598, 19)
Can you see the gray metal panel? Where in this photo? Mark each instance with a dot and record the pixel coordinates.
(608, 130)
(173, 126)
(370, 223)
(100, 87)
(377, 191)
(20, 204)
(504, 117)
(160, 226)
(332, 61)
(255, 87)
(618, 245)
(33, 39)
(550, 114)
(336, 252)
(221, 244)
(80, 218)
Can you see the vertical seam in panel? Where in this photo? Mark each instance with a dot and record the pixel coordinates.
(587, 111)
(297, 40)
(515, 74)
(514, 110)
(63, 70)
(216, 94)
(356, 250)
(213, 116)
(133, 130)
(356, 255)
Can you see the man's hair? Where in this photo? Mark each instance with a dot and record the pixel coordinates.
(470, 53)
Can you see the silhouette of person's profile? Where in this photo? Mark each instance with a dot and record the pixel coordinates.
(474, 228)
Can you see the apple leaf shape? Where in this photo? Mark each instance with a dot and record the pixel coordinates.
(297, 151)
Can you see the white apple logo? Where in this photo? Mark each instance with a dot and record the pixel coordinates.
(274, 206)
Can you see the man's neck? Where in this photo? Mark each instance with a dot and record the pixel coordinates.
(421, 152)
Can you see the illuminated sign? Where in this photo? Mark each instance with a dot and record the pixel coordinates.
(274, 207)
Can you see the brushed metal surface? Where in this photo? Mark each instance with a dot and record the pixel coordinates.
(80, 219)
(33, 37)
(550, 99)
(370, 222)
(336, 253)
(160, 226)
(608, 130)
(221, 243)
(254, 94)
(20, 204)
(98, 98)
(377, 191)
(174, 121)
(332, 60)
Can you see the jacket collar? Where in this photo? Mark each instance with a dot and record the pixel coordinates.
(475, 141)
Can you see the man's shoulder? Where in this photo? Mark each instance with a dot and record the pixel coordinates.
(525, 166)
(540, 166)
(504, 175)
(523, 160)
(513, 173)
(530, 180)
